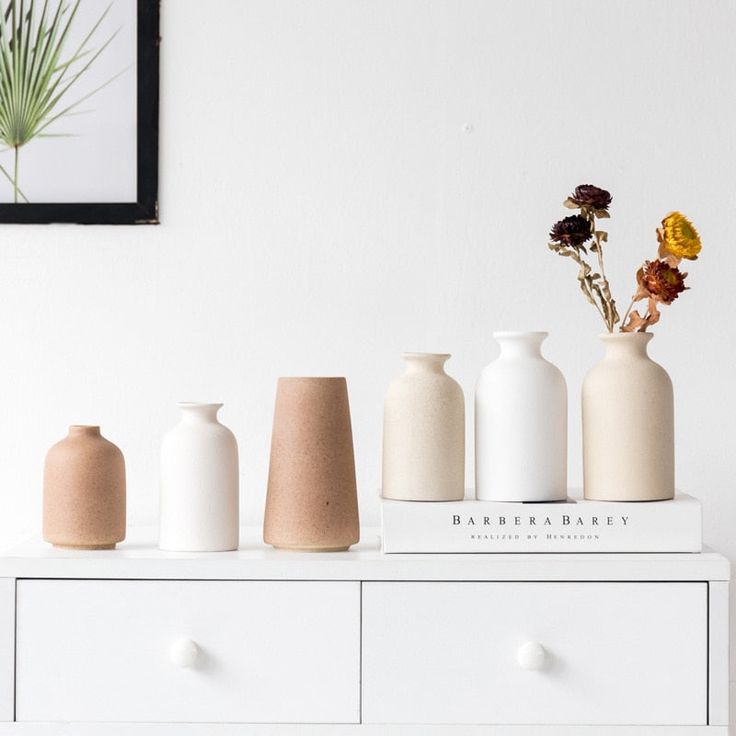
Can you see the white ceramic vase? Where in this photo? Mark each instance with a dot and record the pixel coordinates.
(199, 483)
(521, 424)
(424, 433)
(628, 424)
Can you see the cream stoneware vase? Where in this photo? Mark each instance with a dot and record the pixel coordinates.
(521, 424)
(199, 483)
(628, 424)
(84, 491)
(424, 433)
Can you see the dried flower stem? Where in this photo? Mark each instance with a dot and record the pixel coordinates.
(628, 311)
(586, 282)
(594, 286)
(610, 314)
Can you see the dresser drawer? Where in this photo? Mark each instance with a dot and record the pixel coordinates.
(611, 653)
(104, 650)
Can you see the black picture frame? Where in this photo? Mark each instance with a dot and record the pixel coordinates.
(145, 210)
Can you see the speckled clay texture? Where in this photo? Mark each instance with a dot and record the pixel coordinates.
(424, 433)
(84, 491)
(312, 501)
(628, 424)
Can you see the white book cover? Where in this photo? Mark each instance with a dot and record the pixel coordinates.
(575, 525)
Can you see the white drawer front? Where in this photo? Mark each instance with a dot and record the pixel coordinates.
(101, 650)
(614, 653)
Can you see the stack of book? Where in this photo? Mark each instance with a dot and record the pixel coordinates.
(575, 525)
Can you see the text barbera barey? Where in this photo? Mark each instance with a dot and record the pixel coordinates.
(563, 520)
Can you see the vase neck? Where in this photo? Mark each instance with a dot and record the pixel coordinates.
(520, 344)
(425, 362)
(626, 344)
(192, 412)
(84, 430)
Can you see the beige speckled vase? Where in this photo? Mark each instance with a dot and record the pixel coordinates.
(628, 424)
(84, 491)
(424, 433)
(312, 501)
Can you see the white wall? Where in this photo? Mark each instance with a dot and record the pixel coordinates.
(346, 179)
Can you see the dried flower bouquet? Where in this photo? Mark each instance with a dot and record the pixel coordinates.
(658, 282)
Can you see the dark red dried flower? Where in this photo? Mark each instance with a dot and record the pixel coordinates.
(572, 231)
(586, 195)
(661, 281)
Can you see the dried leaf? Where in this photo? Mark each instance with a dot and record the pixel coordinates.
(654, 313)
(597, 290)
(641, 290)
(612, 311)
(602, 235)
(602, 214)
(562, 251)
(637, 323)
(570, 204)
(634, 322)
(586, 291)
(664, 255)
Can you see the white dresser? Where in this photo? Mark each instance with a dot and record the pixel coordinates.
(139, 641)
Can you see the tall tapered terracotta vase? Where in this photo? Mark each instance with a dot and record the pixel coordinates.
(84, 491)
(312, 501)
(628, 424)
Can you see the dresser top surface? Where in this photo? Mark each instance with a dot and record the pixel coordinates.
(139, 558)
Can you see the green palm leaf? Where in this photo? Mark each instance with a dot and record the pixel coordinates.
(37, 79)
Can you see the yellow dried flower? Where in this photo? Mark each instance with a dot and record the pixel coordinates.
(678, 237)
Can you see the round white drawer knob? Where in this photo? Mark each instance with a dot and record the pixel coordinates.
(531, 656)
(184, 653)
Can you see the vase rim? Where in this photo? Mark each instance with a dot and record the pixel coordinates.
(311, 378)
(85, 428)
(520, 333)
(432, 356)
(199, 404)
(605, 336)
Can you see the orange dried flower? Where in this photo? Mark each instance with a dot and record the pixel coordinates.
(661, 281)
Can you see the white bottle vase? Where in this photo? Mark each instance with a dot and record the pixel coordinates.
(424, 433)
(199, 483)
(521, 424)
(628, 424)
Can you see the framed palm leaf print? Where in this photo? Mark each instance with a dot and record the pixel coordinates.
(79, 92)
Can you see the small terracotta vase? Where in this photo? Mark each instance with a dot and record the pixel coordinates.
(312, 501)
(84, 491)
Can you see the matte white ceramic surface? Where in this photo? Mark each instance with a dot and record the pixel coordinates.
(521, 424)
(199, 483)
